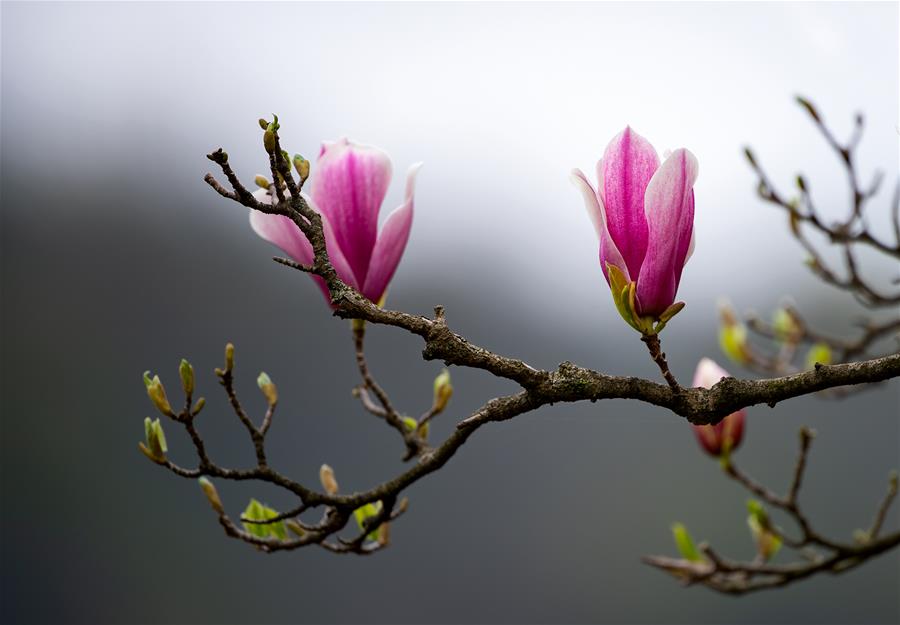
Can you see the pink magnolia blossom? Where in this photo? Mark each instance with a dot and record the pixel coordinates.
(726, 435)
(349, 183)
(643, 212)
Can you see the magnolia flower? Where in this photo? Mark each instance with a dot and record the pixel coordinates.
(643, 212)
(726, 435)
(348, 187)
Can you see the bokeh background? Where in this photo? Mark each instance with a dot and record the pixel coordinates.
(116, 258)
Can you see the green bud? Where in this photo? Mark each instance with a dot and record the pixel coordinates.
(229, 357)
(733, 335)
(155, 438)
(186, 371)
(767, 542)
(263, 123)
(809, 108)
(269, 140)
(199, 405)
(211, 494)
(443, 391)
(786, 327)
(820, 353)
(685, 543)
(262, 182)
(329, 483)
(364, 513)
(157, 394)
(268, 388)
(287, 158)
(302, 167)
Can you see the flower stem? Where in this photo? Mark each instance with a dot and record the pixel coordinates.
(656, 353)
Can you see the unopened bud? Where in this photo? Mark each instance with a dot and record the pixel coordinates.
(199, 405)
(733, 335)
(443, 391)
(263, 123)
(229, 357)
(384, 534)
(268, 388)
(261, 181)
(295, 527)
(157, 394)
(269, 140)
(819, 354)
(785, 325)
(155, 438)
(302, 167)
(685, 543)
(767, 541)
(801, 183)
(329, 483)
(211, 494)
(402, 506)
(186, 371)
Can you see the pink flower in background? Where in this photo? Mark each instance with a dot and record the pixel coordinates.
(643, 212)
(348, 186)
(726, 435)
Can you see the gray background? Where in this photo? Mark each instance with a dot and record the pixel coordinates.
(116, 258)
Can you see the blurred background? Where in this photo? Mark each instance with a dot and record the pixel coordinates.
(117, 258)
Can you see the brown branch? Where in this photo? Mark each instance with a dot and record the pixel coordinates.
(567, 383)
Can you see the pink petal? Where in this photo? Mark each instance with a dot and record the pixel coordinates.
(349, 186)
(624, 172)
(285, 234)
(708, 372)
(669, 206)
(609, 253)
(391, 242)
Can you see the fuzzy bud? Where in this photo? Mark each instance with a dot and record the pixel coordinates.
(268, 388)
(157, 394)
(443, 391)
(211, 494)
(186, 371)
(329, 483)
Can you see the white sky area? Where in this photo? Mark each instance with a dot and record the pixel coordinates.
(500, 101)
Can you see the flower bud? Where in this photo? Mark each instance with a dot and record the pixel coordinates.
(186, 371)
(685, 543)
(384, 534)
(269, 140)
(262, 182)
(263, 124)
(157, 394)
(211, 494)
(733, 335)
(268, 388)
(819, 354)
(443, 391)
(229, 357)
(199, 406)
(721, 439)
(295, 527)
(785, 325)
(767, 541)
(302, 167)
(329, 483)
(155, 438)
